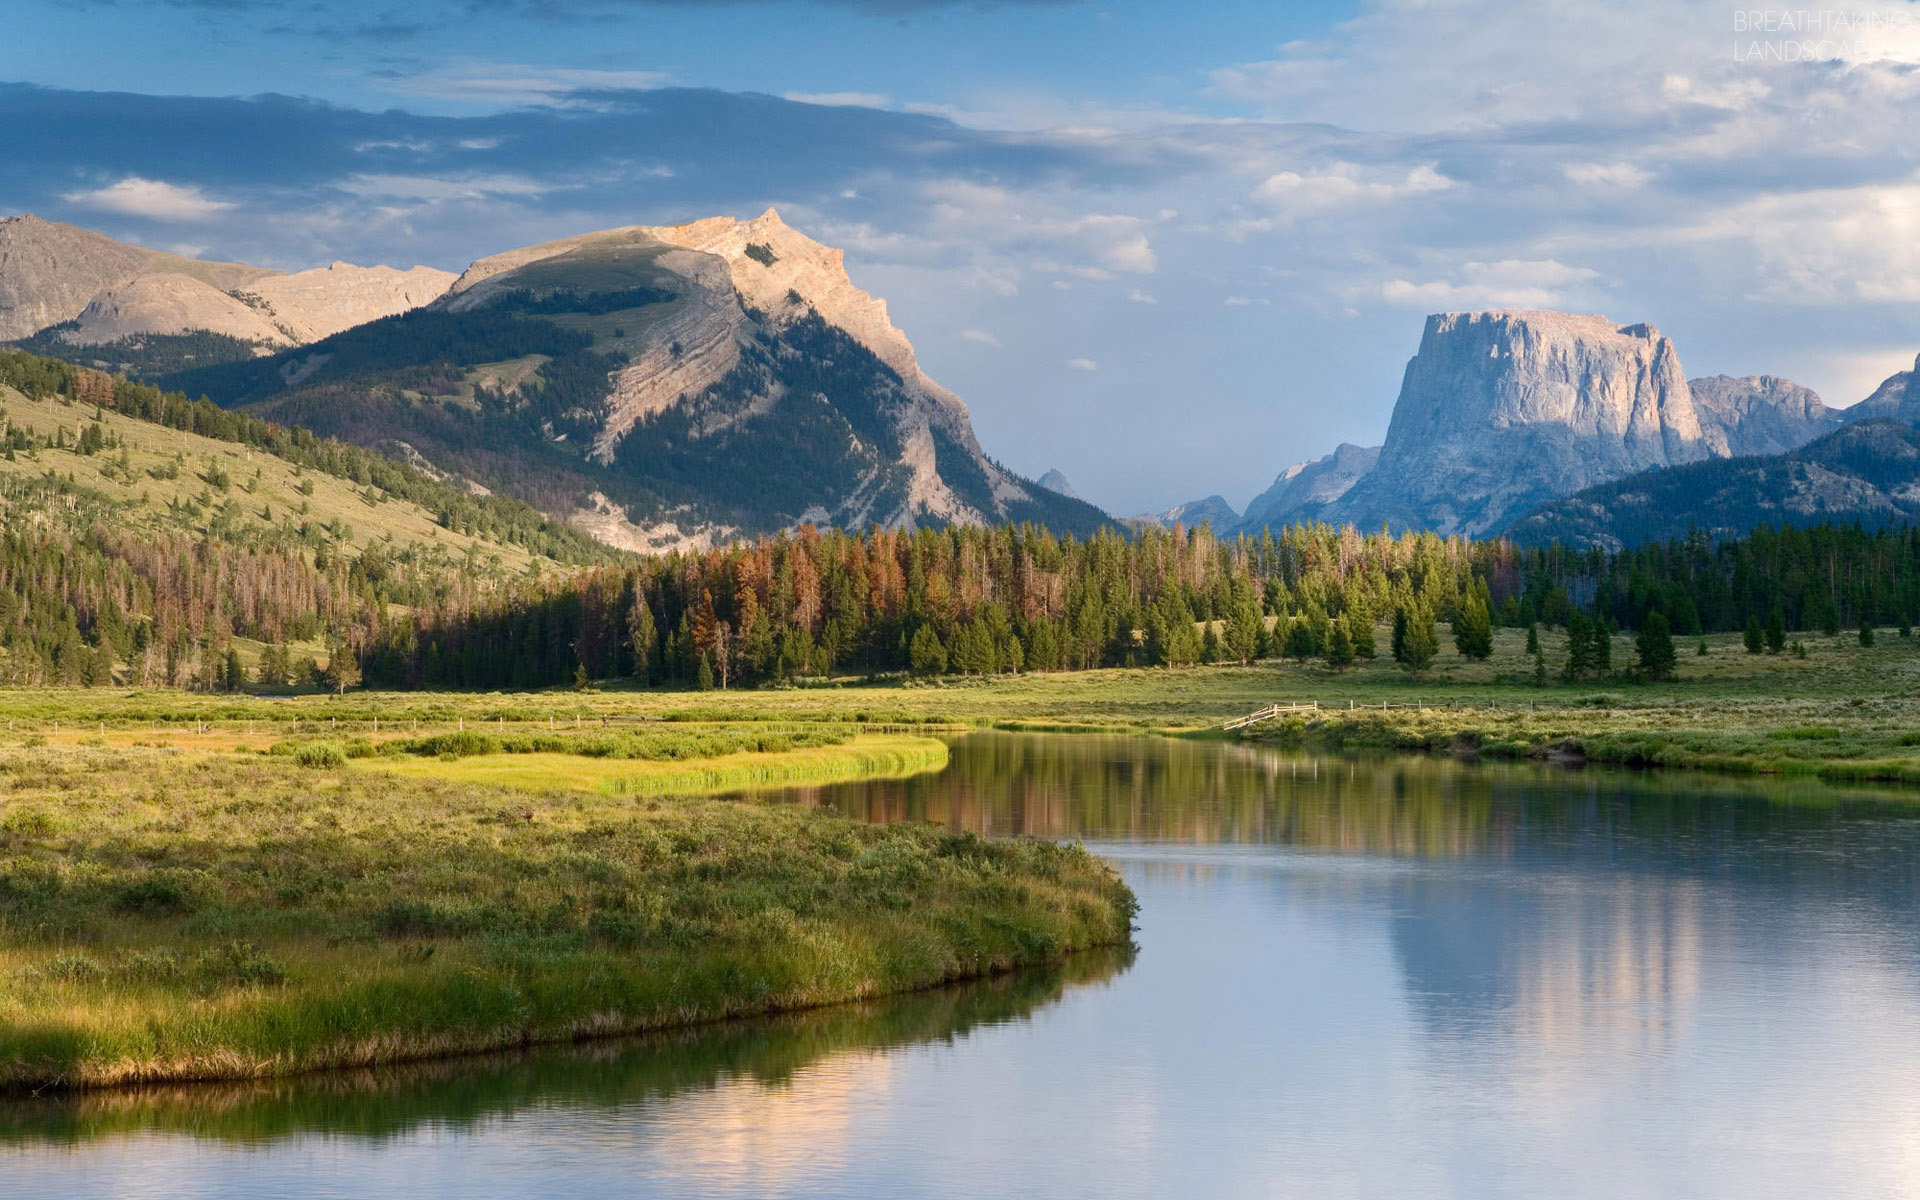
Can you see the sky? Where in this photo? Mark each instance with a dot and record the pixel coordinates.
(1167, 248)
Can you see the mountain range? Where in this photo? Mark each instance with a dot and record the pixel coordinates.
(661, 386)
(1501, 413)
(686, 385)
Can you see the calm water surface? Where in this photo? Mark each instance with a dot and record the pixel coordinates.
(1395, 978)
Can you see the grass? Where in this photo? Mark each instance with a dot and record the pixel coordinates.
(873, 756)
(1728, 710)
(168, 487)
(174, 915)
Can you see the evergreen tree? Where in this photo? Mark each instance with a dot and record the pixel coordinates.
(1655, 647)
(1421, 642)
(1473, 625)
(643, 639)
(1602, 653)
(1866, 634)
(927, 655)
(1533, 637)
(1756, 636)
(1579, 647)
(1339, 647)
(1777, 629)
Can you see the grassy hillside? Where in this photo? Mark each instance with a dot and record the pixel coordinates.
(165, 479)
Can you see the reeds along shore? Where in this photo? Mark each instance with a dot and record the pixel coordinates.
(219, 916)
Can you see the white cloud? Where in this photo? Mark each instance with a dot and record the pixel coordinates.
(1623, 176)
(1509, 283)
(1139, 297)
(840, 99)
(152, 199)
(518, 82)
(1343, 186)
(1082, 364)
(981, 336)
(434, 188)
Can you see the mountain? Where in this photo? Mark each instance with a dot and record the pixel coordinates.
(1500, 411)
(1213, 509)
(1054, 481)
(1866, 472)
(63, 287)
(1760, 414)
(1304, 490)
(1895, 399)
(664, 386)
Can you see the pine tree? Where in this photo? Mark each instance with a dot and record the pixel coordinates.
(1339, 647)
(1533, 637)
(642, 638)
(1866, 634)
(1756, 636)
(1602, 635)
(1776, 629)
(926, 655)
(1473, 625)
(1579, 647)
(1655, 647)
(1420, 643)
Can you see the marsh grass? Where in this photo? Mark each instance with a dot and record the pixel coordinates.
(200, 917)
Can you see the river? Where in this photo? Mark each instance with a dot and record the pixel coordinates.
(1397, 977)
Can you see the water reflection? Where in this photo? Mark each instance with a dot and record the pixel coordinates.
(470, 1093)
(1405, 977)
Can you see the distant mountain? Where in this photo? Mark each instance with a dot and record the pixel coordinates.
(1867, 471)
(1213, 509)
(1054, 481)
(69, 291)
(1502, 411)
(1895, 399)
(1303, 491)
(1760, 414)
(666, 386)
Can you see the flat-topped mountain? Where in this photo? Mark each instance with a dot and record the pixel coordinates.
(666, 385)
(61, 285)
(1501, 410)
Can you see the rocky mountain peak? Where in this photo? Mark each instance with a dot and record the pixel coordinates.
(1502, 409)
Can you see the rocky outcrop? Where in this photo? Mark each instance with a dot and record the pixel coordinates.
(1758, 414)
(1304, 490)
(1500, 411)
(52, 274)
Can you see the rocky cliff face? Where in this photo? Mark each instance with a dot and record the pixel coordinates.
(1304, 490)
(1759, 414)
(52, 274)
(1500, 411)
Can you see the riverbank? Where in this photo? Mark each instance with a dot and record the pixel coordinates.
(169, 915)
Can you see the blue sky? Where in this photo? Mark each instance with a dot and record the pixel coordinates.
(1167, 248)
